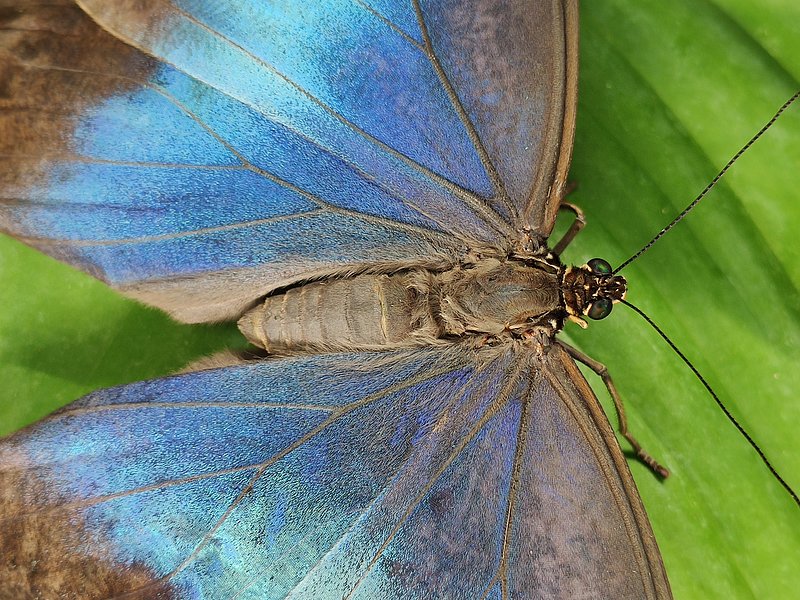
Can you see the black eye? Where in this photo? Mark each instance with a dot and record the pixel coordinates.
(600, 266)
(600, 308)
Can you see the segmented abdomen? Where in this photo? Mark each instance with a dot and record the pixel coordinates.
(363, 312)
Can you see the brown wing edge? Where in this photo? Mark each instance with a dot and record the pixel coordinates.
(575, 389)
(542, 208)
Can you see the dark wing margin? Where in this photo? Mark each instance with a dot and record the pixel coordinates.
(513, 69)
(541, 209)
(604, 487)
(487, 474)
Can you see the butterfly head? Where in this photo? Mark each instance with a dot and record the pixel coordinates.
(591, 291)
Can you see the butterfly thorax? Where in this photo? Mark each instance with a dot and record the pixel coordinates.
(500, 298)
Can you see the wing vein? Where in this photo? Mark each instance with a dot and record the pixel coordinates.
(472, 132)
(488, 414)
(39, 242)
(501, 573)
(475, 202)
(393, 26)
(145, 405)
(159, 485)
(39, 158)
(278, 456)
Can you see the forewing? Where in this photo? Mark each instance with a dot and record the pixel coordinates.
(478, 93)
(175, 192)
(434, 473)
(234, 147)
(514, 68)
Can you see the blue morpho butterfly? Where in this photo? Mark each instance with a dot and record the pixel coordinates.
(336, 473)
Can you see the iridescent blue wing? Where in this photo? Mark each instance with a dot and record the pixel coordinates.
(229, 148)
(437, 473)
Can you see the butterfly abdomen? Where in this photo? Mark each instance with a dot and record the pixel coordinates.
(412, 308)
(362, 312)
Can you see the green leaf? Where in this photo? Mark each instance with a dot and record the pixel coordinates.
(64, 334)
(669, 91)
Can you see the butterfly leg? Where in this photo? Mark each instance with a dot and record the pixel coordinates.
(601, 370)
(574, 229)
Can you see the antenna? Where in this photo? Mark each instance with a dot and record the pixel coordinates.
(722, 407)
(663, 335)
(713, 182)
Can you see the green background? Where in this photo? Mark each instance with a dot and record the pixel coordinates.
(668, 92)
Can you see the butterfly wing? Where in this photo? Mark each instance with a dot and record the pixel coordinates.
(596, 489)
(221, 185)
(433, 473)
(490, 85)
(233, 147)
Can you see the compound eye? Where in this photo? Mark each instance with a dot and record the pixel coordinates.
(600, 308)
(600, 266)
